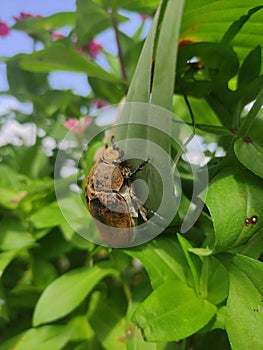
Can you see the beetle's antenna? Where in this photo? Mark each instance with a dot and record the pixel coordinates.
(112, 140)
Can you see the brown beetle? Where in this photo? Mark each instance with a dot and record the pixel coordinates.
(111, 199)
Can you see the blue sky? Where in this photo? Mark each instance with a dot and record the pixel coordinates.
(19, 42)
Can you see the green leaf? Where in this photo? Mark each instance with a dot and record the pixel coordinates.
(52, 102)
(141, 6)
(249, 148)
(193, 261)
(250, 154)
(254, 247)
(200, 251)
(218, 62)
(48, 216)
(57, 20)
(166, 55)
(205, 119)
(236, 26)
(91, 20)
(30, 161)
(163, 259)
(108, 91)
(24, 84)
(250, 68)
(214, 281)
(139, 89)
(82, 330)
(43, 272)
(234, 195)
(42, 338)
(14, 235)
(62, 58)
(173, 312)
(244, 319)
(67, 292)
(204, 21)
(251, 116)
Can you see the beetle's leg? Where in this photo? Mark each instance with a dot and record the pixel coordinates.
(139, 167)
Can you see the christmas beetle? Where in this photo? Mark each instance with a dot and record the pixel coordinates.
(111, 199)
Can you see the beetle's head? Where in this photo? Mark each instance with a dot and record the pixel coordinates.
(113, 155)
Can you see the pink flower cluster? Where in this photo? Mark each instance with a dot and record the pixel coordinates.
(93, 48)
(24, 15)
(100, 103)
(78, 126)
(4, 29)
(57, 35)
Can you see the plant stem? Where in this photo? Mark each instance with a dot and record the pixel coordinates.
(118, 42)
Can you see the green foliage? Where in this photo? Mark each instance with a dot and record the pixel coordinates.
(195, 290)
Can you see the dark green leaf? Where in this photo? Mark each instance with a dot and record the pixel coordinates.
(4, 309)
(218, 63)
(205, 21)
(250, 68)
(82, 331)
(244, 321)
(6, 258)
(236, 26)
(43, 272)
(107, 317)
(234, 195)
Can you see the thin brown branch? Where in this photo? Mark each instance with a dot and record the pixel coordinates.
(118, 42)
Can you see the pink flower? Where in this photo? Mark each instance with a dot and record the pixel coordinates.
(56, 35)
(100, 103)
(78, 126)
(4, 29)
(24, 15)
(93, 48)
(144, 16)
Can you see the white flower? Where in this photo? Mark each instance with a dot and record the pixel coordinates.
(18, 134)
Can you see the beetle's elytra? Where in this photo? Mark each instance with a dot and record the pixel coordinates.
(111, 199)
